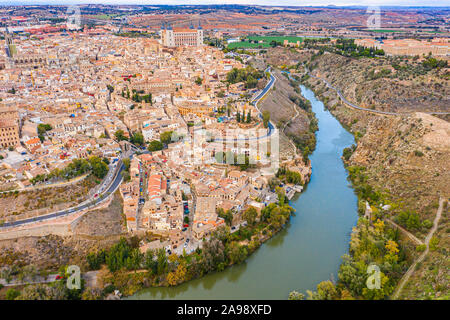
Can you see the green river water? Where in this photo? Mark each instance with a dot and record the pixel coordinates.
(309, 249)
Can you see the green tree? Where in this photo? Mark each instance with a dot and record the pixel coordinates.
(199, 81)
(163, 264)
(119, 134)
(137, 139)
(155, 145)
(250, 215)
(226, 215)
(12, 294)
(249, 117)
(166, 137)
(99, 168)
(266, 118)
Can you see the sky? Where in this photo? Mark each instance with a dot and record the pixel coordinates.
(249, 2)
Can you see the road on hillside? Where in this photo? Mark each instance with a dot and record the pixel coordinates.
(111, 189)
(365, 109)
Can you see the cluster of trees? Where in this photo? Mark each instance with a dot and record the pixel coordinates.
(137, 138)
(164, 139)
(249, 75)
(433, 63)
(123, 254)
(242, 118)
(76, 168)
(411, 220)
(347, 152)
(147, 98)
(288, 176)
(42, 129)
(383, 73)
(344, 47)
(226, 215)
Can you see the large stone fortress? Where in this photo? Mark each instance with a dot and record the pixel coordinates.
(178, 37)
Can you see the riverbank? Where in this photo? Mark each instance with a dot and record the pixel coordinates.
(398, 163)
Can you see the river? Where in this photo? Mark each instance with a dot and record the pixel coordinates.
(309, 249)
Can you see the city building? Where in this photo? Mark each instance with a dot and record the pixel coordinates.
(178, 37)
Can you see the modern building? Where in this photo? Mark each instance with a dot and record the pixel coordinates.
(178, 37)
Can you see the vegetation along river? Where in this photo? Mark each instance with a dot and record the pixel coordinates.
(309, 249)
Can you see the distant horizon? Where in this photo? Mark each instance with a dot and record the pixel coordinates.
(261, 3)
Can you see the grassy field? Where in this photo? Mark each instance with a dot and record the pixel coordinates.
(104, 16)
(247, 45)
(266, 41)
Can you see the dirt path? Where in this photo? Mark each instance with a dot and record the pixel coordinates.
(411, 269)
(409, 234)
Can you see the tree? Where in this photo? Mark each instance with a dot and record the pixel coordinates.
(266, 118)
(166, 137)
(226, 215)
(199, 81)
(155, 145)
(238, 117)
(12, 294)
(117, 256)
(126, 163)
(137, 139)
(250, 215)
(162, 262)
(119, 134)
(294, 295)
(99, 168)
(177, 276)
(43, 128)
(237, 253)
(249, 117)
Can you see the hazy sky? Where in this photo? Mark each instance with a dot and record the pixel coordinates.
(259, 2)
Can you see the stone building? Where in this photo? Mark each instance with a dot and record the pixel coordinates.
(178, 37)
(9, 127)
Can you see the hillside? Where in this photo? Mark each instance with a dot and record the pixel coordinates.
(389, 84)
(401, 161)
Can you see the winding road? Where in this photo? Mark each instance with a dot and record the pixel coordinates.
(354, 106)
(113, 185)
